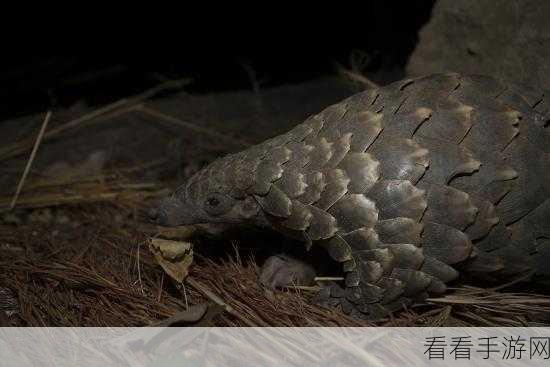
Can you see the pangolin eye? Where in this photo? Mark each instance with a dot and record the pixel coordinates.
(213, 201)
(217, 204)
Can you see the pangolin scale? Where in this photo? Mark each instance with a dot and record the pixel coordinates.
(407, 186)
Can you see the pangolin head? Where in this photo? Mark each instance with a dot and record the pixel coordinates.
(205, 198)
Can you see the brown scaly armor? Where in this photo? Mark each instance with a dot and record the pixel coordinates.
(407, 186)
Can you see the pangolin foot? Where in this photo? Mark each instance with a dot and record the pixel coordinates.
(282, 271)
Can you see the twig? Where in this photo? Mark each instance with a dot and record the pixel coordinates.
(185, 296)
(191, 314)
(513, 282)
(252, 76)
(115, 108)
(303, 287)
(31, 158)
(139, 269)
(217, 300)
(88, 196)
(356, 77)
(327, 279)
(173, 120)
(160, 288)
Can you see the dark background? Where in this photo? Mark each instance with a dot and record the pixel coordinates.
(221, 60)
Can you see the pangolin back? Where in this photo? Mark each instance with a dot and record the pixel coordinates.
(410, 184)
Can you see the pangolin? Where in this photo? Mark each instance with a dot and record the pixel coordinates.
(407, 186)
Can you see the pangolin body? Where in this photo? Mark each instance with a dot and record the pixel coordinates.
(406, 186)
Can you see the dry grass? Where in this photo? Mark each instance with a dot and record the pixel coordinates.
(74, 253)
(96, 270)
(95, 277)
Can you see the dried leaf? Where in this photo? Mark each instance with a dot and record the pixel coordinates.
(175, 257)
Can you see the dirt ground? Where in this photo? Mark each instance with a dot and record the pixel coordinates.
(74, 251)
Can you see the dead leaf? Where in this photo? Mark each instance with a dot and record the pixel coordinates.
(175, 257)
(196, 315)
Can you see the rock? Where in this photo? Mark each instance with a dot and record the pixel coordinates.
(505, 39)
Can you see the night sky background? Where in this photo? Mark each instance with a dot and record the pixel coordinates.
(221, 59)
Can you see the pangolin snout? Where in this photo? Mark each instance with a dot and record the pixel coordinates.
(171, 212)
(164, 212)
(157, 215)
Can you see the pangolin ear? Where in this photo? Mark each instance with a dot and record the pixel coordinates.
(249, 207)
